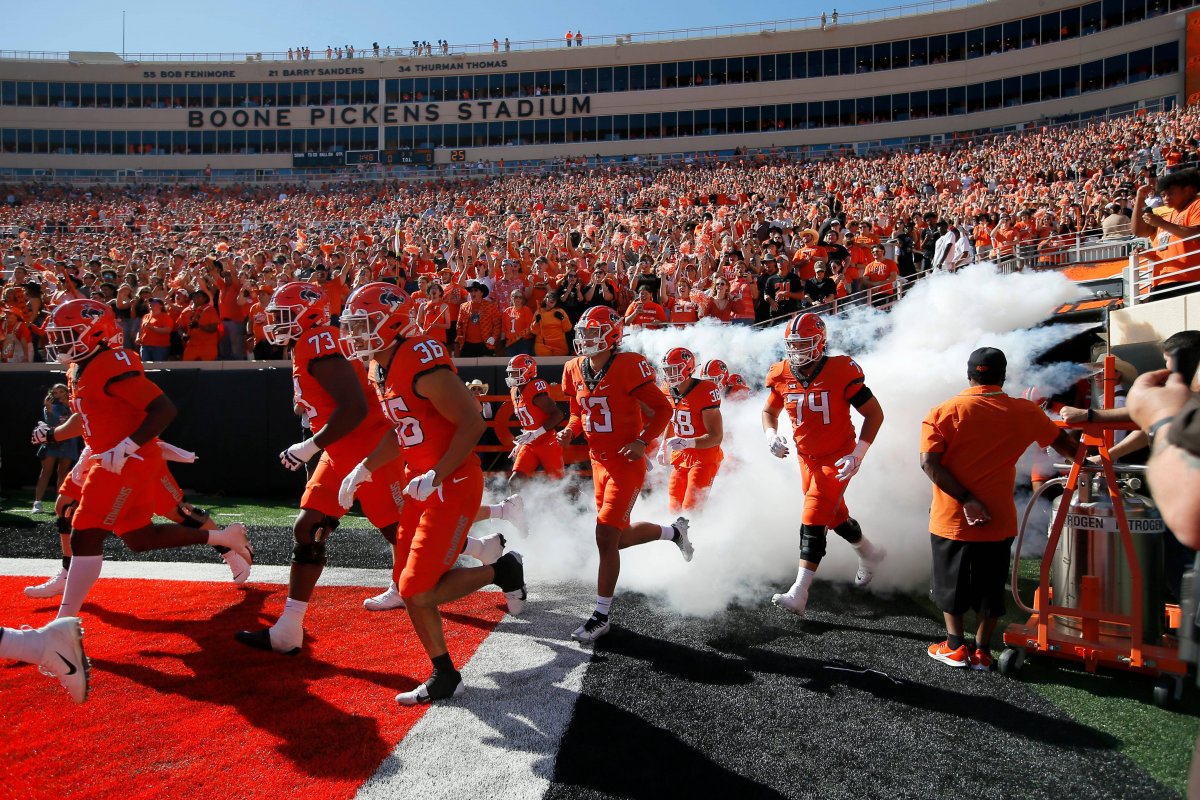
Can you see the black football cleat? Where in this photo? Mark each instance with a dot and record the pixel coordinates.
(261, 640)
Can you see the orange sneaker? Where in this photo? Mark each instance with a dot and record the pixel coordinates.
(951, 658)
(981, 660)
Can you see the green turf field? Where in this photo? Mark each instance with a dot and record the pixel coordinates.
(1119, 705)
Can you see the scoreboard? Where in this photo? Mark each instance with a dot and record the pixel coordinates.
(352, 158)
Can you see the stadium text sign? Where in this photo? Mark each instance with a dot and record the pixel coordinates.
(391, 114)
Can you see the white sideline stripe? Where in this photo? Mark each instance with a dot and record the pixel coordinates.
(501, 737)
(188, 571)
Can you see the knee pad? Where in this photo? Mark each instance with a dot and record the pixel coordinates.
(63, 523)
(850, 530)
(812, 543)
(192, 517)
(312, 551)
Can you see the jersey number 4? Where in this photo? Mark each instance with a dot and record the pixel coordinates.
(817, 403)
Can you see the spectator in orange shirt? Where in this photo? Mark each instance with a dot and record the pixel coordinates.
(433, 317)
(155, 335)
(518, 319)
(1179, 192)
(879, 276)
(256, 339)
(550, 328)
(233, 301)
(643, 312)
(478, 324)
(199, 325)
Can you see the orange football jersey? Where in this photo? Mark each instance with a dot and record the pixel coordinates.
(421, 428)
(687, 414)
(611, 414)
(819, 406)
(325, 342)
(108, 418)
(528, 413)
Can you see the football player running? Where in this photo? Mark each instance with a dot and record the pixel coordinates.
(332, 391)
(168, 503)
(539, 417)
(818, 391)
(693, 450)
(607, 390)
(437, 422)
(120, 414)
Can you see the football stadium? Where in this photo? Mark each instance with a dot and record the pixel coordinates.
(787, 409)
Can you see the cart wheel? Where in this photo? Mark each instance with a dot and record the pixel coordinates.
(1167, 691)
(1010, 661)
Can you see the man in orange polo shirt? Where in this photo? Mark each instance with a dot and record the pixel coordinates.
(199, 325)
(969, 449)
(1174, 272)
(880, 276)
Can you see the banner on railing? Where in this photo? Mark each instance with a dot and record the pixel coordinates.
(1191, 70)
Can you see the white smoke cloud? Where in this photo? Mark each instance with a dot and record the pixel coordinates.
(746, 537)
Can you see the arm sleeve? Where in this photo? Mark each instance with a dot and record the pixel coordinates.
(660, 409)
(134, 388)
(932, 438)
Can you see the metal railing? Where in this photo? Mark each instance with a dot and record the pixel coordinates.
(1141, 277)
(764, 28)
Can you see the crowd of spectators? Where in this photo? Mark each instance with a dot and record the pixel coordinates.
(507, 264)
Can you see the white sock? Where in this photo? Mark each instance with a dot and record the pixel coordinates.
(864, 547)
(21, 645)
(804, 579)
(290, 624)
(474, 547)
(603, 604)
(83, 574)
(668, 532)
(495, 511)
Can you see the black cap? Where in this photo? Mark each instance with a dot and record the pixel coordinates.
(987, 365)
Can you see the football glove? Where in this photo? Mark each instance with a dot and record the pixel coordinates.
(422, 486)
(114, 460)
(528, 436)
(299, 454)
(847, 466)
(675, 443)
(776, 444)
(41, 434)
(81, 465)
(172, 453)
(662, 456)
(359, 475)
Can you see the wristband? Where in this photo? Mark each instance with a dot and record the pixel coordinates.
(1151, 432)
(643, 441)
(50, 438)
(1091, 414)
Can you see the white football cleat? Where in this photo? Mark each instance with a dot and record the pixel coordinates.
(63, 657)
(420, 696)
(492, 549)
(791, 602)
(683, 542)
(513, 510)
(386, 601)
(37, 507)
(51, 588)
(237, 565)
(591, 630)
(866, 566)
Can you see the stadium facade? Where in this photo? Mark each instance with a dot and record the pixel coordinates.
(912, 79)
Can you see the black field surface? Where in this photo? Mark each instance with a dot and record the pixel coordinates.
(842, 704)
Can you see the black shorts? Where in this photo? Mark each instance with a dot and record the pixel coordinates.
(969, 575)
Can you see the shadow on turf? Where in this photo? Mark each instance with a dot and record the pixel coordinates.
(691, 664)
(265, 700)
